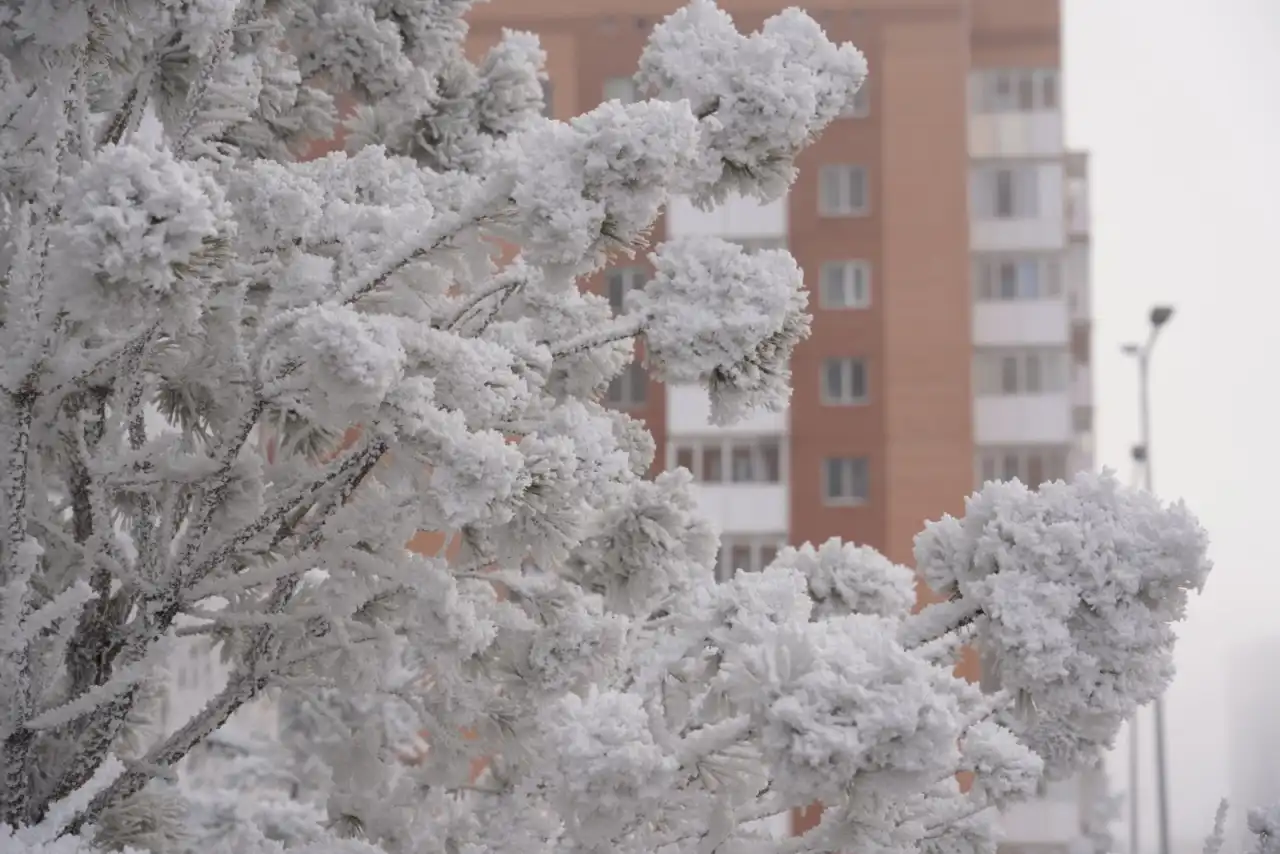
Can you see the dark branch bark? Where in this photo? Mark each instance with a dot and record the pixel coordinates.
(251, 676)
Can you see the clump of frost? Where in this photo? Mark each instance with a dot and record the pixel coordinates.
(1077, 586)
(724, 318)
(760, 98)
(135, 221)
(845, 578)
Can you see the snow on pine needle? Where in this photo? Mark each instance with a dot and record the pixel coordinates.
(237, 383)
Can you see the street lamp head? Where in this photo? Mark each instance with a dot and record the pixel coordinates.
(1160, 315)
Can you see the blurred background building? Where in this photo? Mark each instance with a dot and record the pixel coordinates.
(943, 229)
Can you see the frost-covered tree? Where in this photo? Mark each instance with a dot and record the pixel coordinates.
(405, 327)
(1261, 823)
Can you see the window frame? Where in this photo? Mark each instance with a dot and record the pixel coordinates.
(1008, 371)
(752, 245)
(758, 545)
(1003, 463)
(850, 368)
(1004, 190)
(855, 284)
(1019, 90)
(623, 280)
(841, 204)
(632, 93)
(856, 469)
(859, 107)
(766, 458)
(1036, 277)
(634, 376)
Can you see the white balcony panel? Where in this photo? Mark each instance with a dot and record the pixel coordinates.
(1036, 134)
(1012, 324)
(1044, 234)
(1041, 821)
(1022, 419)
(737, 218)
(745, 508)
(1075, 276)
(689, 414)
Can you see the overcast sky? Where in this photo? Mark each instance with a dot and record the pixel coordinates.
(1179, 103)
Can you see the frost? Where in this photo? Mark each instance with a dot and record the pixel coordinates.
(848, 579)
(724, 318)
(316, 535)
(1078, 585)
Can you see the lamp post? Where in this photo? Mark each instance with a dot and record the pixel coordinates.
(1159, 316)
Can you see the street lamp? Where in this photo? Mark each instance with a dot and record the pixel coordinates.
(1160, 315)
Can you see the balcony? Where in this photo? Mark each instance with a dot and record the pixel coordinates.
(1077, 200)
(1016, 134)
(1020, 323)
(1075, 278)
(1022, 419)
(1077, 196)
(738, 218)
(745, 508)
(1017, 206)
(1081, 386)
(689, 414)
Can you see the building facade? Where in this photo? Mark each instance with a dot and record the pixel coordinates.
(943, 229)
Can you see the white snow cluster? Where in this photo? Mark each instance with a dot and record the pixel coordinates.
(236, 386)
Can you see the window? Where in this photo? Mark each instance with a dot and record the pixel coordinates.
(752, 245)
(1031, 465)
(1008, 278)
(620, 89)
(1032, 376)
(1014, 90)
(630, 388)
(712, 468)
(737, 460)
(1047, 84)
(859, 106)
(1013, 371)
(1082, 419)
(547, 92)
(842, 190)
(844, 382)
(845, 480)
(845, 284)
(619, 282)
(1005, 191)
(748, 552)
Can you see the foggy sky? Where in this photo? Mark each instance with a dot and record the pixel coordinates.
(1179, 102)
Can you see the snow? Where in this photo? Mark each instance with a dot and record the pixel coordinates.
(236, 385)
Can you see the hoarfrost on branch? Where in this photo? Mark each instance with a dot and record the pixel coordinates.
(235, 383)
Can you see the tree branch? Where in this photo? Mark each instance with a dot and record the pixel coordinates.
(619, 330)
